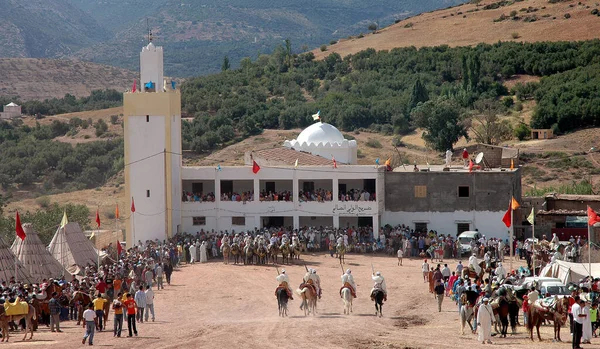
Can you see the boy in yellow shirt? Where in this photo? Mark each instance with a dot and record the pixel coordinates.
(99, 309)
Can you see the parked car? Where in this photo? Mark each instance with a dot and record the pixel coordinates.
(538, 280)
(464, 240)
(553, 288)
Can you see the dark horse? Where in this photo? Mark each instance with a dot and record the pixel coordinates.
(557, 313)
(378, 298)
(282, 301)
(503, 315)
(236, 251)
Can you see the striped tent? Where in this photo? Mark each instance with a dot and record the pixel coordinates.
(35, 257)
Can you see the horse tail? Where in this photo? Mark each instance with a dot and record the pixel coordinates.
(34, 315)
(301, 291)
(530, 318)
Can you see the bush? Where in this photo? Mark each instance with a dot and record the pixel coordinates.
(114, 119)
(515, 35)
(372, 27)
(101, 127)
(43, 201)
(508, 101)
(567, 15)
(323, 48)
(397, 141)
(595, 11)
(518, 106)
(513, 13)
(333, 42)
(373, 143)
(522, 131)
(408, 25)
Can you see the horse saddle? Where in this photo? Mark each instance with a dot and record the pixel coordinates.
(16, 308)
(283, 286)
(545, 303)
(310, 286)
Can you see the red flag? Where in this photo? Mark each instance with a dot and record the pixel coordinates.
(334, 162)
(19, 228)
(506, 219)
(471, 165)
(134, 88)
(119, 248)
(132, 205)
(98, 218)
(117, 212)
(592, 217)
(255, 167)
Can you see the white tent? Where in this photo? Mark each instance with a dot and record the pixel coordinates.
(570, 272)
(7, 265)
(35, 257)
(71, 247)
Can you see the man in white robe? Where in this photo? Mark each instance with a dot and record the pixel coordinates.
(587, 324)
(192, 253)
(379, 285)
(473, 263)
(485, 320)
(203, 255)
(500, 272)
(348, 280)
(284, 281)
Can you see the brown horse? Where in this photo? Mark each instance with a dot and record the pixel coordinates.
(285, 253)
(6, 319)
(83, 299)
(236, 251)
(468, 273)
(557, 313)
(295, 251)
(309, 299)
(226, 250)
(273, 251)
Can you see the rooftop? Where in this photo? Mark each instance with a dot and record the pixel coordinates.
(572, 197)
(320, 133)
(286, 156)
(440, 168)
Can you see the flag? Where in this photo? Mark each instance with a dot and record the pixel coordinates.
(377, 161)
(134, 88)
(531, 217)
(506, 219)
(512, 164)
(592, 217)
(255, 167)
(470, 165)
(334, 162)
(93, 235)
(18, 228)
(132, 205)
(388, 162)
(514, 204)
(173, 84)
(317, 116)
(117, 212)
(98, 218)
(296, 164)
(219, 167)
(119, 248)
(64, 220)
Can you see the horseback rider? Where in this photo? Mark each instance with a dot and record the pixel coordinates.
(473, 264)
(348, 281)
(317, 279)
(284, 282)
(273, 240)
(379, 285)
(284, 241)
(340, 241)
(224, 241)
(500, 272)
(294, 240)
(237, 239)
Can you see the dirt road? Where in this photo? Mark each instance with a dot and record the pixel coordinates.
(227, 306)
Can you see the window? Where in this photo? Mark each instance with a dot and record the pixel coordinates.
(226, 187)
(420, 191)
(148, 193)
(197, 188)
(463, 191)
(421, 227)
(308, 186)
(147, 118)
(270, 187)
(198, 220)
(460, 227)
(238, 220)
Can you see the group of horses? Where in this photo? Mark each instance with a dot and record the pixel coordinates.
(261, 253)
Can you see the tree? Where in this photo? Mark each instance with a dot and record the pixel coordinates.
(225, 66)
(486, 125)
(372, 27)
(522, 131)
(419, 94)
(441, 119)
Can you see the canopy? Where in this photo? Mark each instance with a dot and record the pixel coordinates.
(71, 247)
(570, 272)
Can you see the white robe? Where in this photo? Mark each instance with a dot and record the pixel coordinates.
(587, 325)
(473, 264)
(500, 272)
(349, 279)
(192, 253)
(203, 256)
(484, 320)
(379, 283)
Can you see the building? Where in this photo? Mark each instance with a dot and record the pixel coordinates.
(544, 133)
(565, 215)
(11, 110)
(297, 185)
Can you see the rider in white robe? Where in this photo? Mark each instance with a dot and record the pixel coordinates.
(284, 281)
(273, 240)
(379, 284)
(203, 255)
(500, 272)
(192, 253)
(554, 242)
(348, 278)
(317, 280)
(473, 263)
(485, 318)
(224, 241)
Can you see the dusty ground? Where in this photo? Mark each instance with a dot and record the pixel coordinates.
(215, 305)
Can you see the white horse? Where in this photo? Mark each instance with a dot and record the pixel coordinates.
(466, 316)
(347, 298)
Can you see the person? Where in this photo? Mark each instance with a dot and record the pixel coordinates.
(459, 268)
(90, 324)
(533, 296)
(131, 311)
(448, 157)
(500, 272)
(465, 156)
(485, 319)
(379, 285)
(317, 280)
(348, 281)
(203, 255)
(159, 276)
(140, 301)
(594, 318)
(525, 309)
(149, 303)
(578, 318)
(439, 293)
(474, 264)
(425, 270)
(149, 277)
(54, 312)
(168, 271)
(586, 333)
(192, 253)
(400, 255)
(99, 309)
(446, 272)
(284, 281)
(117, 306)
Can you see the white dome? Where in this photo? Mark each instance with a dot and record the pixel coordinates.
(320, 133)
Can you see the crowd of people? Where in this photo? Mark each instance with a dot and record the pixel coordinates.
(234, 196)
(285, 195)
(356, 195)
(319, 195)
(188, 196)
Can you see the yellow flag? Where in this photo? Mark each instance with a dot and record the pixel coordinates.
(92, 236)
(514, 204)
(296, 164)
(531, 217)
(64, 220)
(388, 162)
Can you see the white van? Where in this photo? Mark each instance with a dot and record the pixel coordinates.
(553, 288)
(539, 280)
(464, 240)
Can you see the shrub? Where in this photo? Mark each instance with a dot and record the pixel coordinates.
(522, 131)
(595, 11)
(518, 106)
(361, 35)
(567, 15)
(323, 48)
(513, 13)
(508, 101)
(515, 35)
(333, 42)
(373, 143)
(101, 127)
(114, 119)
(372, 27)
(397, 141)
(408, 25)
(43, 201)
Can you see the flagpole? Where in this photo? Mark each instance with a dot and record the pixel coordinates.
(533, 247)
(511, 237)
(590, 227)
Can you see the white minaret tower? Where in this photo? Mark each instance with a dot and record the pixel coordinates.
(152, 128)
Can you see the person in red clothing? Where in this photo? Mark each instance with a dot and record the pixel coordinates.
(101, 286)
(131, 310)
(525, 309)
(465, 156)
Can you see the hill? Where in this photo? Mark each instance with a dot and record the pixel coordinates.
(487, 21)
(39, 79)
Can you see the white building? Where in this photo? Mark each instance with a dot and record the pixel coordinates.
(11, 110)
(327, 141)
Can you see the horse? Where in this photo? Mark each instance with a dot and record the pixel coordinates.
(295, 251)
(502, 312)
(236, 251)
(285, 253)
(378, 298)
(468, 273)
(6, 319)
(282, 301)
(249, 254)
(273, 251)
(347, 298)
(556, 312)
(84, 299)
(309, 300)
(226, 250)
(341, 252)
(467, 301)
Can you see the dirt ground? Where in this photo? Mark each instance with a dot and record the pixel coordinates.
(215, 305)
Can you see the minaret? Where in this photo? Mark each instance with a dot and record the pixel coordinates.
(152, 130)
